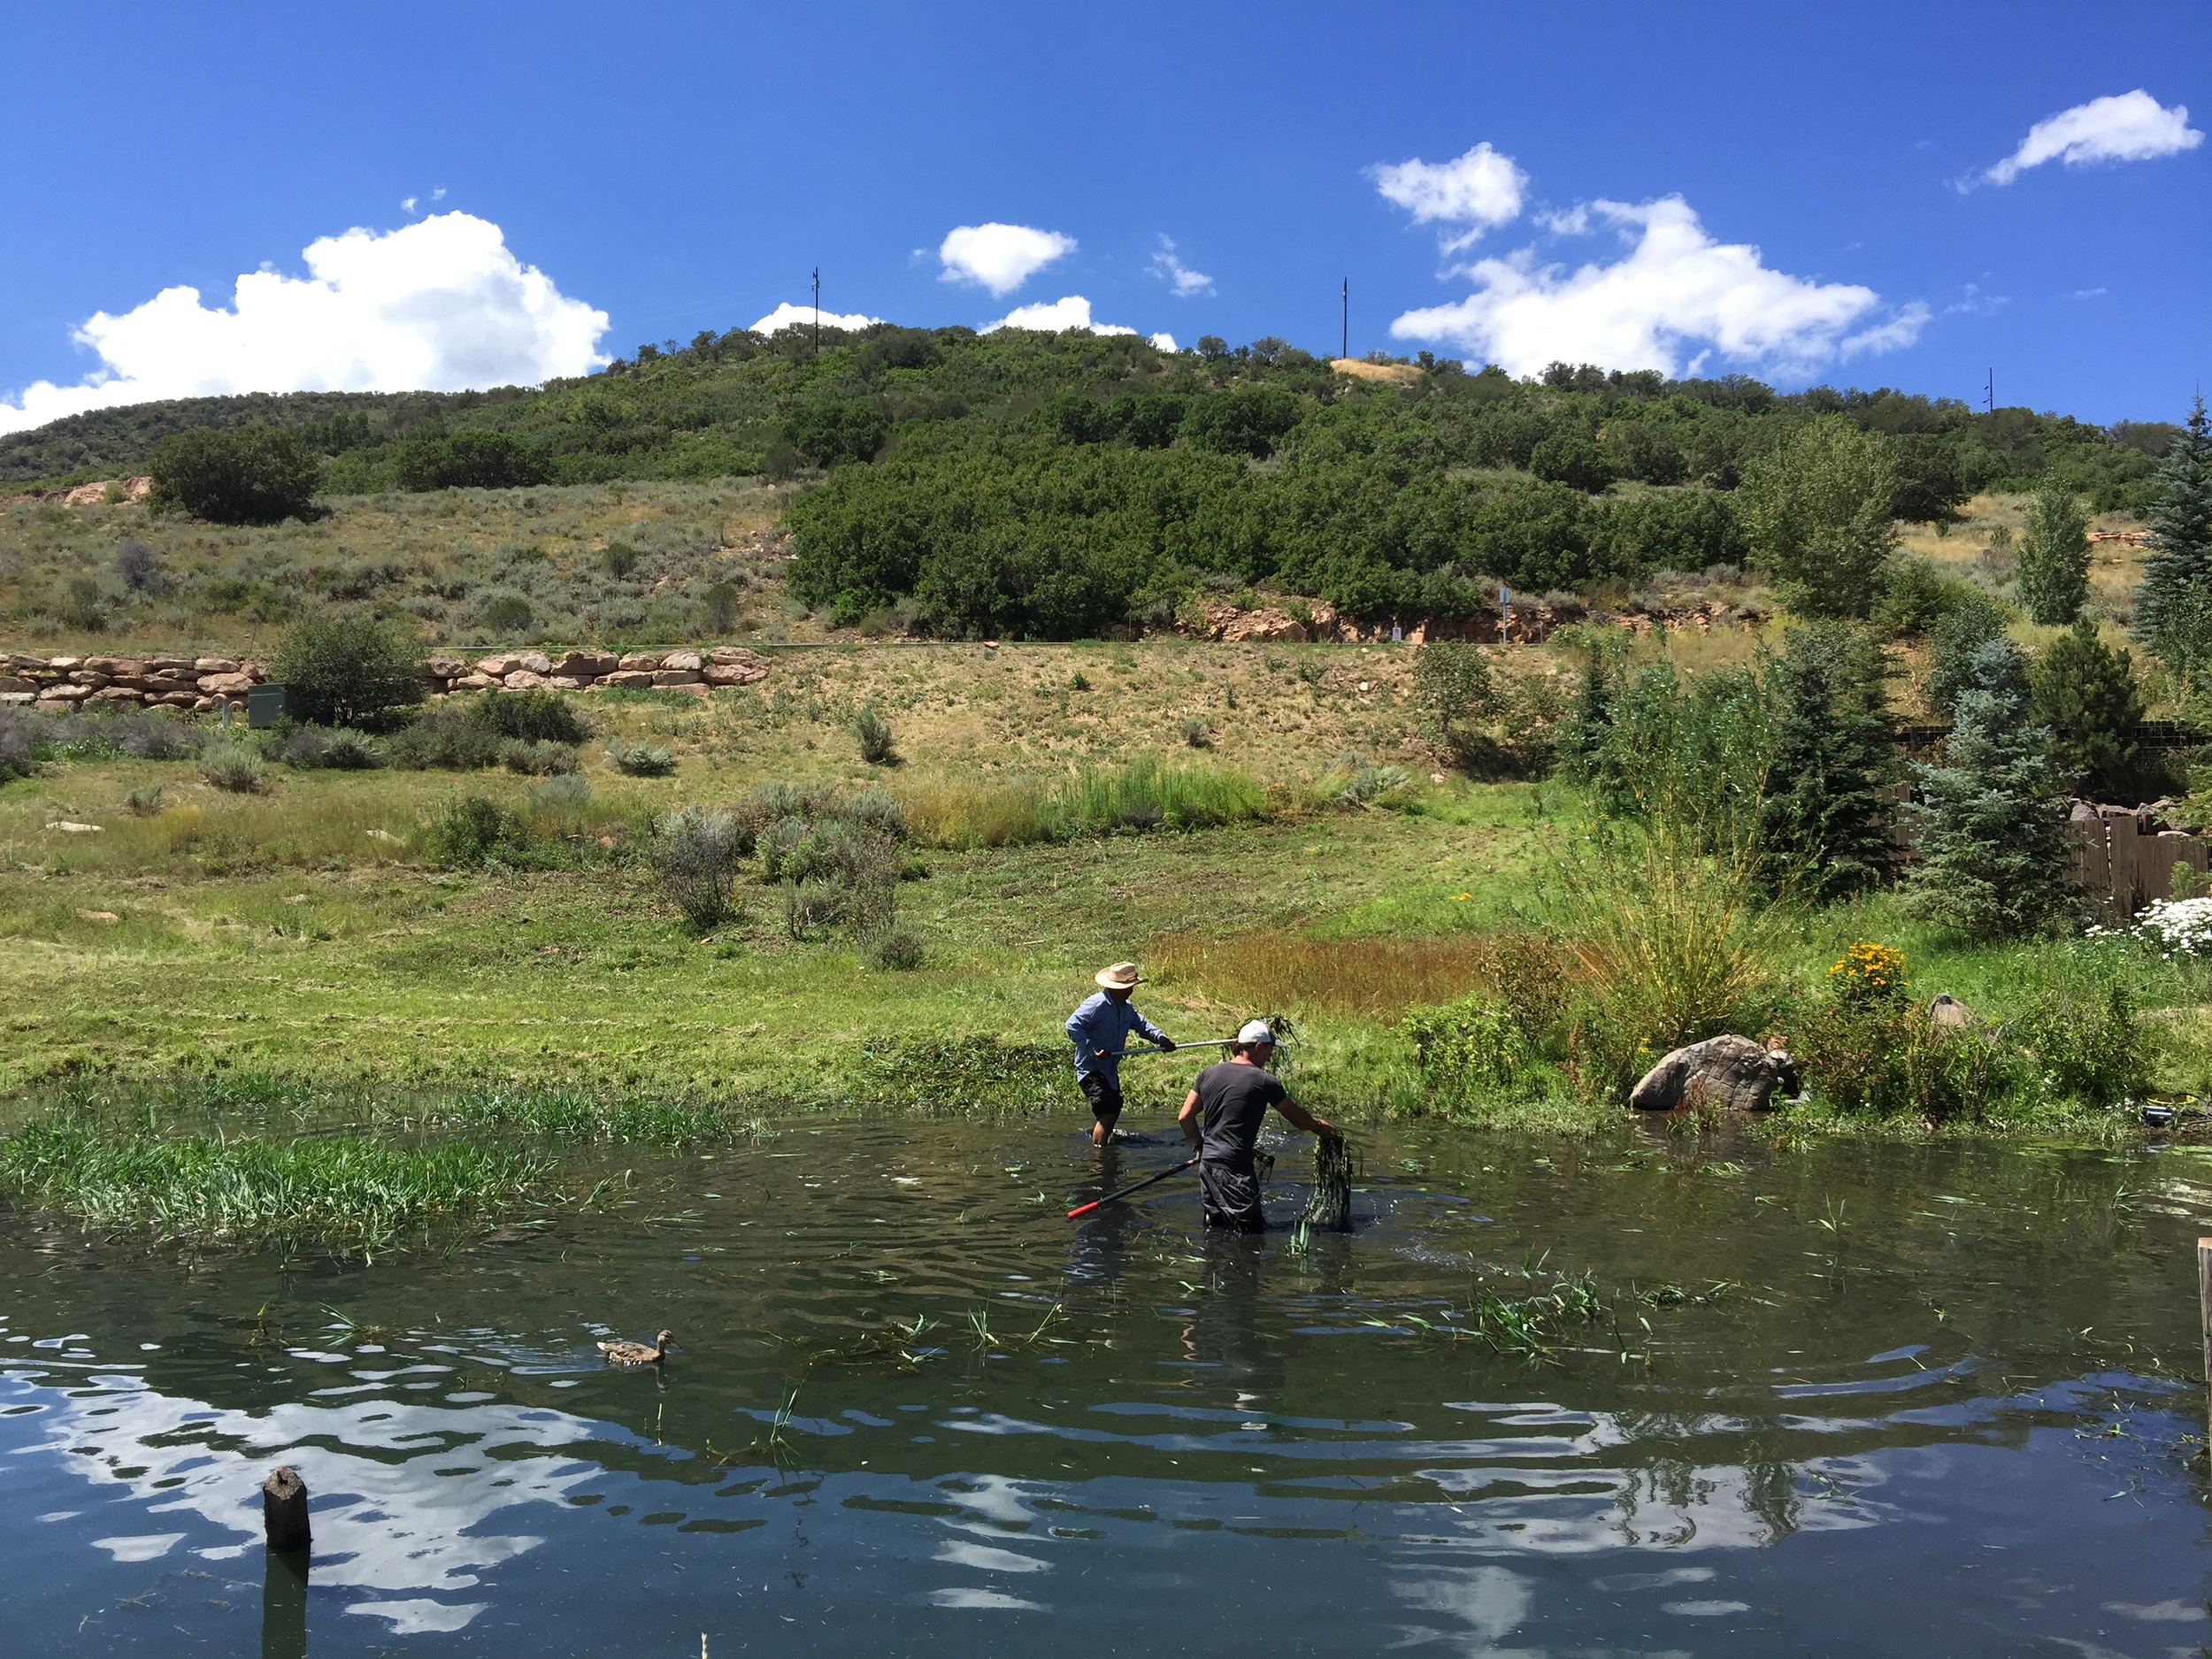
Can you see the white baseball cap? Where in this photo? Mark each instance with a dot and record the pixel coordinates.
(1256, 1031)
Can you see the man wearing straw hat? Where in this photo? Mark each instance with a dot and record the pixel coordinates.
(1100, 1031)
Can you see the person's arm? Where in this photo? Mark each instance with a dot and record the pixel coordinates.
(1186, 1121)
(1151, 1032)
(1301, 1118)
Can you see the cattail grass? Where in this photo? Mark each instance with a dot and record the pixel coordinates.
(347, 1191)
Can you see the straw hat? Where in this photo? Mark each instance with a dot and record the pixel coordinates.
(1122, 976)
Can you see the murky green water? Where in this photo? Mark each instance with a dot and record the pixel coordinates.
(1936, 1410)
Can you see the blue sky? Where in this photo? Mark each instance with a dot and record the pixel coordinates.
(679, 168)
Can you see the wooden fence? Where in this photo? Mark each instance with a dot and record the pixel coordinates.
(2117, 854)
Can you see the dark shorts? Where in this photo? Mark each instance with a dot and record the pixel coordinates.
(1232, 1193)
(1105, 1099)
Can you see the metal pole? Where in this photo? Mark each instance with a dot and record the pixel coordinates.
(817, 311)
(1344, 349)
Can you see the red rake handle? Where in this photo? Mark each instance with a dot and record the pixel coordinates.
(1085, 1210)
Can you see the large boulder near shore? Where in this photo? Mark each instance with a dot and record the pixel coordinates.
(1728, 1071)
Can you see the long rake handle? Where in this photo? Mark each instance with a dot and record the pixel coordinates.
(1138, 1186)
(1212, 1042)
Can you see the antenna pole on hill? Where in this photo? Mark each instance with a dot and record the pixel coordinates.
(1344, 349)
(817, 311)
(1989, 392)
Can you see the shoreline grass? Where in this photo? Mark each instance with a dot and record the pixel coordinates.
(349, 1191)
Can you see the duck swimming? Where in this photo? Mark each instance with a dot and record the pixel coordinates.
(625, 1353)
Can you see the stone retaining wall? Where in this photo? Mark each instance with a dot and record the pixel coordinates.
(696, 672)
(157, 680)
(197, 684)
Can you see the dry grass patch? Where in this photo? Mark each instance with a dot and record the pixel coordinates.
(1379, 978)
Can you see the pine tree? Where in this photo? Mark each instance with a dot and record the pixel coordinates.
(1991, 816)
(2054, 558)
(1825, 823)
(2179, 568)
(2086, 692)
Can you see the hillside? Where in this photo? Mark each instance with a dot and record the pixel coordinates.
(1008, 485)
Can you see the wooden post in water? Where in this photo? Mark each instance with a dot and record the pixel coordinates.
(2204, 1315)
(284, 1501)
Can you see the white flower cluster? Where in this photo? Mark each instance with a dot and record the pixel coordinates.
(2174, 926)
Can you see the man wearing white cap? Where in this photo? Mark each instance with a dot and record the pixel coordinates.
(1100, 1031)
(1222, 1118)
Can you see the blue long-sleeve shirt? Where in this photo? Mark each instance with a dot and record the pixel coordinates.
(1102, 1022)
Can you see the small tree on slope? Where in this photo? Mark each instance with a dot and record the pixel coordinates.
(1993, 840)
(2054, 558)
(2178, 572)
(2086, 692)
(1825, 821)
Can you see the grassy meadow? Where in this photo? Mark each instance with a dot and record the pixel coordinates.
(193, 981)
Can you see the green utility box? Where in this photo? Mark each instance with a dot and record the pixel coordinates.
(265, 705)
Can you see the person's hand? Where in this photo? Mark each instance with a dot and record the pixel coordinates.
(1326, 1130)
(1167, 1045)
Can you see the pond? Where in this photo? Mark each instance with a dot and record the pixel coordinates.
(1842, 1399)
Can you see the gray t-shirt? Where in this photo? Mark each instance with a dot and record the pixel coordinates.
(1232, 1099)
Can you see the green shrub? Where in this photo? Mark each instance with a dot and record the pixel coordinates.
(472, 831)
(642, 760)
(896, 949)
(18, 744)
(245, 475)
(1917, 594)
(1883, 1057)
(538, 759)
(312, 748)
(872, 733)
(1472, 1048)
(808, 905)
(697, 852)
(347, 670)
(2089, 1044)
(1458, 698)
(720, 603)
(233, 767)
(533, 715)
(505, 613)
(446, 738)
(833, 431)
(471, 458)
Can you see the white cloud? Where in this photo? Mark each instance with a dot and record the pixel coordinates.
(1073, 312)
(438, 305)
(1185, 282)
(1479, 190)
(1000, 258)
(1166, 342)
(789, 315)
(2130, 127)
(1676, 285)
